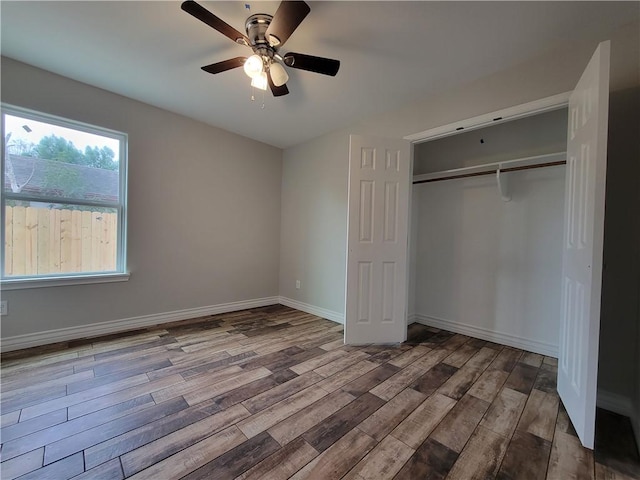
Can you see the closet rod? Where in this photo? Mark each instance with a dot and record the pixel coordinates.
(492, 172)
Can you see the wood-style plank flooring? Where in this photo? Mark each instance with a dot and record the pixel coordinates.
(272, 393)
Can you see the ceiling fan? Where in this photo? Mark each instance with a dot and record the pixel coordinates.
(266, 34)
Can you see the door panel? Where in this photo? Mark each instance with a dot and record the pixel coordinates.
(379, 184)
(583, 243)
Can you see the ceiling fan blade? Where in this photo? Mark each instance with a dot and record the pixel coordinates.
(225, 65)
(210, 19)
(286, 19)
(277, 91)
(325, 66)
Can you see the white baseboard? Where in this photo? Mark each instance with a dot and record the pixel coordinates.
(313, 310)
(113, 326)
(486, 334)
(616, 403)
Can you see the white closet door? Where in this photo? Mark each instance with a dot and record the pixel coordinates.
(583, 242)
(379, 185)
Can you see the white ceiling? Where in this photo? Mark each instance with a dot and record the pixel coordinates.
(392, 53)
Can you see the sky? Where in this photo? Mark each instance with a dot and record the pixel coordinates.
(14, 125)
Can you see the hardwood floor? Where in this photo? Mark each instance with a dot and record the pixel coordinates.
(272, 393)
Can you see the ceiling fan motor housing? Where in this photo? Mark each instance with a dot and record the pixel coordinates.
(257, 32)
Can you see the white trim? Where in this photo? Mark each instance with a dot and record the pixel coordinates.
(35, 282)
(614, 402)
(313, 310)
(113, 326)
(505, 115)
(542, 348)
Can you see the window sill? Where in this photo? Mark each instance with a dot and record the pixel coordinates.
(23, 283)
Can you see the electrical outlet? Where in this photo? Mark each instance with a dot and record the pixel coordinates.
(298, 284)
(4, 309)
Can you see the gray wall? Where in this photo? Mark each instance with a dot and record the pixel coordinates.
(549, 74)
(489, 265)
(621, 274)
(621, 267)
(204, 211)
(314, 222)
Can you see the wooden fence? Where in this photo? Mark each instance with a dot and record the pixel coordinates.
(49, 240)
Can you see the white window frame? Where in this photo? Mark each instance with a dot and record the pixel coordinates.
(74, 278)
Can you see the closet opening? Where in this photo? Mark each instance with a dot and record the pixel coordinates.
(487, 217)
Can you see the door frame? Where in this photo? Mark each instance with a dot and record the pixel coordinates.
(509, 114)
(547, 104)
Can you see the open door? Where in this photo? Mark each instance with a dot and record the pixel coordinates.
(583, 242)
(379, 185)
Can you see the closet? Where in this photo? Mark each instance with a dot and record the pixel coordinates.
(500, 246)
(486, 231)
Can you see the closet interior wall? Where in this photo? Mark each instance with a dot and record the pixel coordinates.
(481, 265)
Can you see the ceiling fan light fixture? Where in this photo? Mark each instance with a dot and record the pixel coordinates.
(279, 75)
(253, 66)
(260, 81)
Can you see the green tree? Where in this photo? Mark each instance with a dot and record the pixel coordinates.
(57, 148)
(100, 158)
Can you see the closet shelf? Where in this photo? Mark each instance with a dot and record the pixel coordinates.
(495, 168)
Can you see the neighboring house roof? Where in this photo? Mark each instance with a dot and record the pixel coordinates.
(52, 178)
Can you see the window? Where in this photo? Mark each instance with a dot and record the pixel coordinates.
(63, 198)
